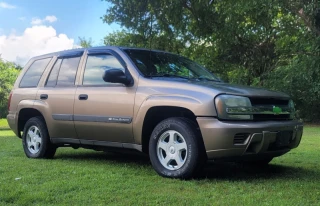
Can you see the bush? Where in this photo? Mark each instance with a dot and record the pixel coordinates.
(8, 75)
(301, 80)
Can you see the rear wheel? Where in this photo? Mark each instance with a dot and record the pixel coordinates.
(175, 148)
(35, 139)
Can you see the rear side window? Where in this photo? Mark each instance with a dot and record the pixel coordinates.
(32, 77)
(52, 80)
(95, 67)
(63, 72)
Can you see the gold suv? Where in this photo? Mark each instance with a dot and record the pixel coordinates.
(155, 102)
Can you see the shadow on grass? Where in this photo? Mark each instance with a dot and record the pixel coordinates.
(240, 172)
(212, 170)
(129, 157)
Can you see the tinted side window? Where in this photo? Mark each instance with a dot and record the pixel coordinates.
(64, 72)
(52, 80)
(32, 76)
(68, 71)
(95, 67)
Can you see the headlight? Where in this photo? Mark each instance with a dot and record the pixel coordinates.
(226, 103)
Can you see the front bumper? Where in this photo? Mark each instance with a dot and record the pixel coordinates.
(260, 139)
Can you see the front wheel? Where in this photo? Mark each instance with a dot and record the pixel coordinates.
(176, 149)
(35, 139)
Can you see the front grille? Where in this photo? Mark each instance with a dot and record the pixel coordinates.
(240, 138)
(255, 101)
(265, 117)
(268, 101)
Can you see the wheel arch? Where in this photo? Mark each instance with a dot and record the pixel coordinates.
(24, 115)
(154, 115)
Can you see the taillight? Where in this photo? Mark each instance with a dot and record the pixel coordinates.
(9, 101)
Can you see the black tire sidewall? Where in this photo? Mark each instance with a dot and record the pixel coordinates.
(189, 133)
(38, 122)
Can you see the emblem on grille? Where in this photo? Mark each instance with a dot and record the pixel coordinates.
(276, 110)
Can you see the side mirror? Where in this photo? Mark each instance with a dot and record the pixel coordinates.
(223, 81)
(115, 76)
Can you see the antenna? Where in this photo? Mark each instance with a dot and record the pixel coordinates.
(151, 23)
(150, 40)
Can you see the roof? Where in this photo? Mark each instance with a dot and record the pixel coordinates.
(72, 51)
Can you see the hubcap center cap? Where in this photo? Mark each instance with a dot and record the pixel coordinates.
(172, 150)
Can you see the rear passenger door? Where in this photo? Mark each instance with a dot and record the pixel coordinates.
(57, 96)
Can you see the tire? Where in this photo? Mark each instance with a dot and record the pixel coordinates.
(176, 149)
(36, 141)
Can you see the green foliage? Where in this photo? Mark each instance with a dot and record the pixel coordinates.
(162, 42)
(8, 75)
(86, 177)
(84, 43)
(300, 79)
(122, 38)
(252, 42)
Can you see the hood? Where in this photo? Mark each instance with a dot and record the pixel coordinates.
(226, 88)
(241, 90)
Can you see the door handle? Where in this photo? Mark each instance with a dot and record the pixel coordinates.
(43, 96)
(83, 97)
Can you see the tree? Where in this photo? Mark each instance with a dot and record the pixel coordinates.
(8, 74)
(156, 41)
(122, 38)
(84, 43)
(249, 42)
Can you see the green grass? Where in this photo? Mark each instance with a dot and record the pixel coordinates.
(85, 177)
(4, 124)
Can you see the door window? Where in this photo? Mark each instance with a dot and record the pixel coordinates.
(63, 72)
(52, 80)
(95, 67)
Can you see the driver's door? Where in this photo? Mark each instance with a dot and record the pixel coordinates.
(103, 111)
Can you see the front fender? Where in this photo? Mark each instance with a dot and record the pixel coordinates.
(194, 105)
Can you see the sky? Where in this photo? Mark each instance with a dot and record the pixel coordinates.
(34, 27)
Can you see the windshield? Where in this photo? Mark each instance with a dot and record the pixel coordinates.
(161, 64)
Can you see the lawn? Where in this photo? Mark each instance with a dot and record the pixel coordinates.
(85, 177)
(3, 124)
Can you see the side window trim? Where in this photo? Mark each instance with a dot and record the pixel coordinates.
(71, 54)
(50, 71)
(46, 71)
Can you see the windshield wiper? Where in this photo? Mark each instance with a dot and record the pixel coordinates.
(167, 75)
(207, 79)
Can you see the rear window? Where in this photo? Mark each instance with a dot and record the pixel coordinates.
(32, 77)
